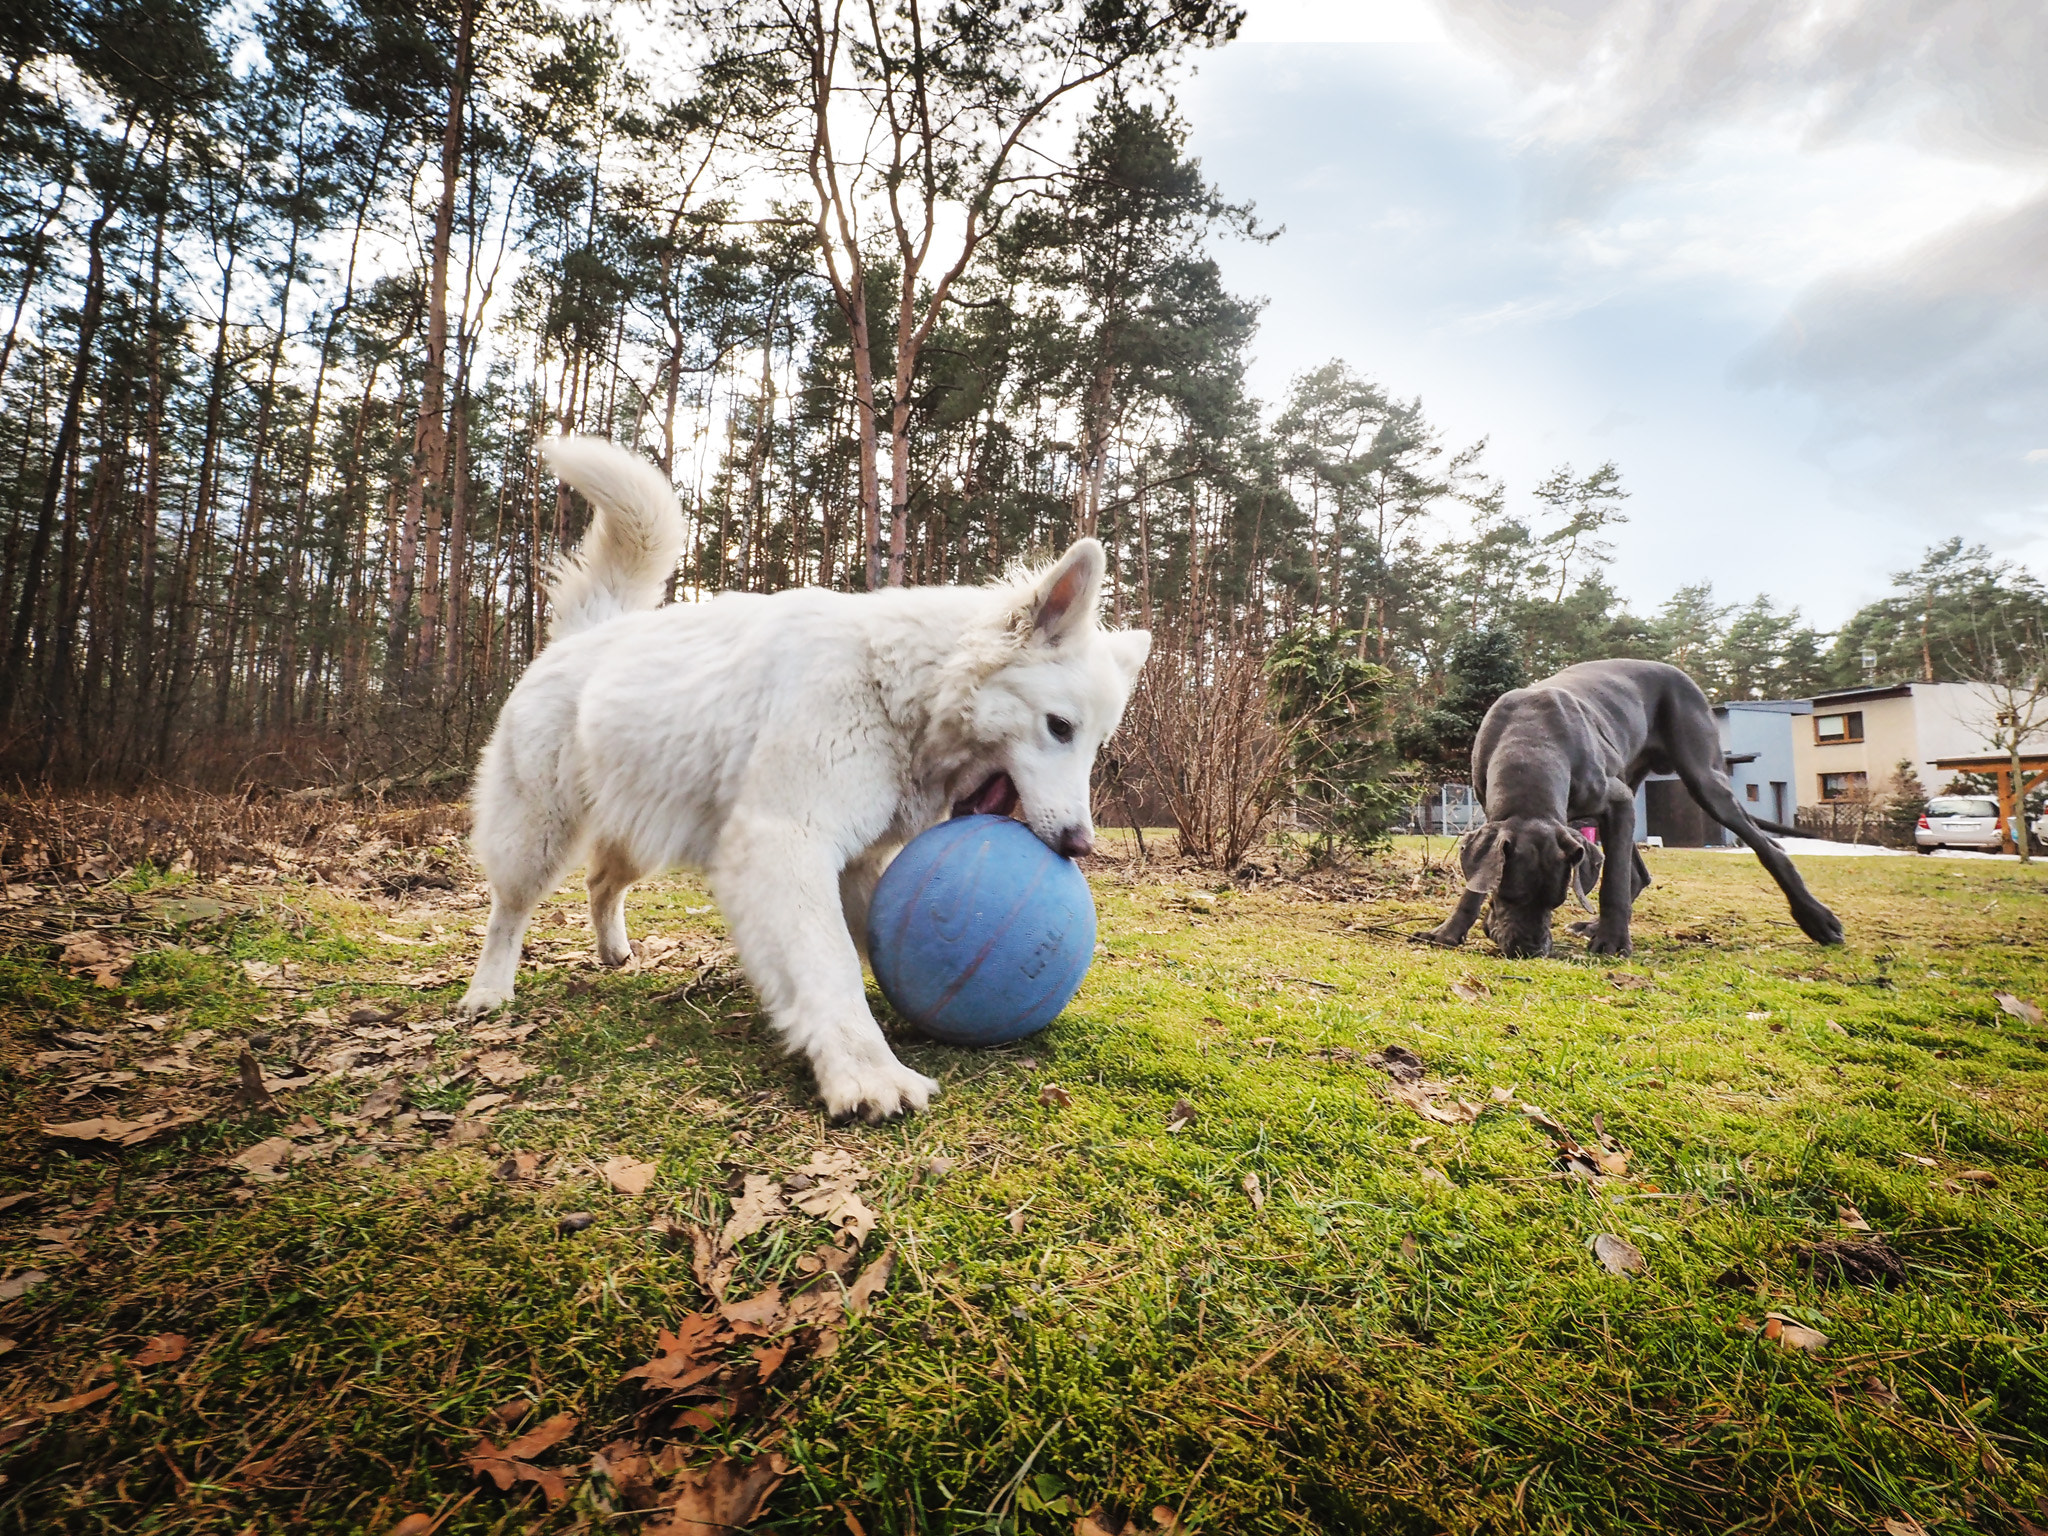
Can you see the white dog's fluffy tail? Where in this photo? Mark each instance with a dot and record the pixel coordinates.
(626, 557)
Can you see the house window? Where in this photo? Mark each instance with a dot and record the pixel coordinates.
(1844, 786)
(1830, 729)
(1751, 791)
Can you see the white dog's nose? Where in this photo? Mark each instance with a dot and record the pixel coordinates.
(1076, 842)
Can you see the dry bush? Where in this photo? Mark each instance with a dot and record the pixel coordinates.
(383, 844)
(1199, 741)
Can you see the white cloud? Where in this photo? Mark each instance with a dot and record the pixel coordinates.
(1341, 21)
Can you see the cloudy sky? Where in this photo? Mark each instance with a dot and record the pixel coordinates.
(1784, 261)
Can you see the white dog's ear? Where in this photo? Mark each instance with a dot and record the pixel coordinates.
(1129, 648)
(1063, 601)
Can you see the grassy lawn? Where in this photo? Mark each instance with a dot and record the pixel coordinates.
(1188, 1251)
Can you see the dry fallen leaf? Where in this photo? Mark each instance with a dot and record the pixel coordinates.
(1851, 1218)
(1053, 1096)
(249, 1090)
(1254, 1189)
(412, 1525)
(1180, 1117)
(691, 1354)
(484, 1101)
(1471, 990)
(627, 1175)
(126, 1133)
(726, 1495)
(1904, 1525)
(260, 1161)
(510, 1412)
(102, 958)
(1016, 1222)
(520, 1168)
(712, 1266)
(1792, 1333)
(1418, 1098)
(82, 1400)
(501, 1069)
(870, 1283)
(1399, 1063)
(2018, 1007)
(1617, 1254)
(1981, 1176)
(833, 1198)
(15, 1286)
(512, 1464)
(760, 1204)
(163, 1349)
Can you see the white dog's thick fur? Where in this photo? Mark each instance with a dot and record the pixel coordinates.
(785, 745)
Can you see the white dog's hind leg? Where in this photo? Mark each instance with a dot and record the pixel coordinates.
(612, 873)
(525, 853)
(779, 889)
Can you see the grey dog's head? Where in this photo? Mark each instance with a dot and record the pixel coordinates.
(1526, 865)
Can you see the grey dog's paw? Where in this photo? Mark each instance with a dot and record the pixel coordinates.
(1820, 925)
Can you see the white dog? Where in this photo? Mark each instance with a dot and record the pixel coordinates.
(787, 746)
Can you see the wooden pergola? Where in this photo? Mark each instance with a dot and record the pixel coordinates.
(2032, 775)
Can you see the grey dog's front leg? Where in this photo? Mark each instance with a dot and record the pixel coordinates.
(1617, 875)
(1450, 933)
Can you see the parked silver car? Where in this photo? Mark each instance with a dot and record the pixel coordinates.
(1961, 821)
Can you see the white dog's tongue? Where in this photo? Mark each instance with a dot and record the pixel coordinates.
(997, 796)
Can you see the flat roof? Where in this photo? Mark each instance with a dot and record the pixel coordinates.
(1770, 706)
(1858, 695)
(1994, 760)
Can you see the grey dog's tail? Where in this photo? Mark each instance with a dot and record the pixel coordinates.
(626, 558)
(1774, 827)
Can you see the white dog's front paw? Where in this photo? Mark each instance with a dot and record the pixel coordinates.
(873, 1090)
(481, 999)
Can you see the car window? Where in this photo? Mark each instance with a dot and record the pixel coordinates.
(1962, 807)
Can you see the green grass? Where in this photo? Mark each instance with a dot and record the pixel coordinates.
(1412, 1335)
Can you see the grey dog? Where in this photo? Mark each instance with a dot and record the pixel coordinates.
(1569, 752)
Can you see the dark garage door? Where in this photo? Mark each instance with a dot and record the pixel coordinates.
(1674, 817)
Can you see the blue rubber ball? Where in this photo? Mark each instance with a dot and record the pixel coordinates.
(979, 933)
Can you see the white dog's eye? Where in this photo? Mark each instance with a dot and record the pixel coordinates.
(1062, 728)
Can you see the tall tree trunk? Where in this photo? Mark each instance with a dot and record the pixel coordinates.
(152, 468)
(32, 266)
(181, 632)
(287, 676)
(424, 497)
(251, 529)
(30, 597)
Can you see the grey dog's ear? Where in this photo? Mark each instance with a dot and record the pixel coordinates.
(1484, 857)
(1572, 843)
